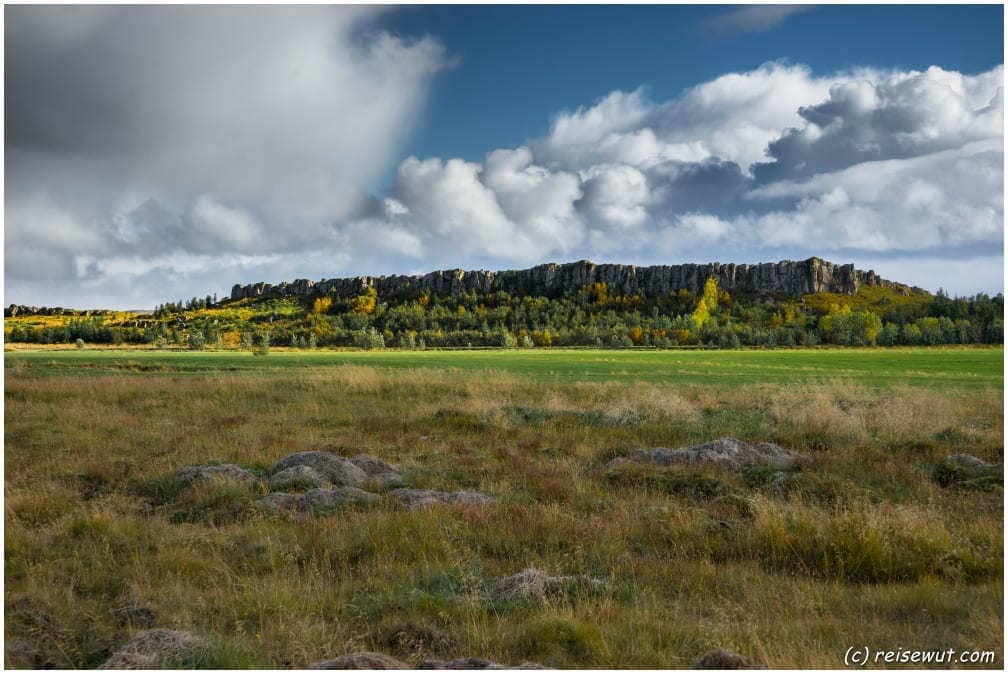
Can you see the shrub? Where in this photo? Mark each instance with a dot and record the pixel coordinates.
(672, 480)
(79, 343)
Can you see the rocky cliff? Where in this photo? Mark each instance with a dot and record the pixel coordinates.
(770, 278)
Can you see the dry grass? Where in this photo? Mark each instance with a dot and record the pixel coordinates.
(858, 547)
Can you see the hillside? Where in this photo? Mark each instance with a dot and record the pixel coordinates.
(788, 303)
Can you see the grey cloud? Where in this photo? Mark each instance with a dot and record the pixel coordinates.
(138, 132)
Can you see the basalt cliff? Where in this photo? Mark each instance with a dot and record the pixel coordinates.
(785, 278)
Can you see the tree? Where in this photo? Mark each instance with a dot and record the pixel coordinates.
(195, 340)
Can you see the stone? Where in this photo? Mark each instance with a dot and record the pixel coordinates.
(969, 461)
(315, 501)
(474, 663)
(297, 475)
(726, 452)
(533, 583)
(318, 500)
(154, 649)
(422, 498)
(361, 660)
(331, 467)
(224, 471)
(278, 502)
(378, 471)
(724, 659)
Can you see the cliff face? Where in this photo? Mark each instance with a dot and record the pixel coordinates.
(770, 278)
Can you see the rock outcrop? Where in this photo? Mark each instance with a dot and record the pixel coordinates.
(791, 278)
(474, 663)
(423, 498)
(725, 659)
(361, 660)
(155, 649)
(726, 452)
(225, 471)
(331, 467)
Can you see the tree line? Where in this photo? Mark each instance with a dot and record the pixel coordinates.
(593, 316)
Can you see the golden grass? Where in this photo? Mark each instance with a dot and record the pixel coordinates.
(862, 548)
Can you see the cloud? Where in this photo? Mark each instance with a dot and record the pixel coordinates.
(136, 132)
(752, 19)
(755, 165)
(897, 115)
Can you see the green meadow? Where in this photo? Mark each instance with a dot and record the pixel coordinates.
(961, 367)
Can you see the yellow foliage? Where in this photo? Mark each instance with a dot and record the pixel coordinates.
(321, 305)
(366, 303)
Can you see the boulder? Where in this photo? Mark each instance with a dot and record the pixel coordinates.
(966, 471)
(331, 467)
(422, 498)
(533, 583)
(724, 659)
(278, 502)
(969, 461)
(154, 649)
(474, 663)
(378, 471)
(224, 471)
(318, 500)
(297, 475)
(725, 452)
(361, 660)
(315, 500)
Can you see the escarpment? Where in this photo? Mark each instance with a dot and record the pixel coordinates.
(787, 277)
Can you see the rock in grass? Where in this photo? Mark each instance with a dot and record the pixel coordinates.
(969, 461)
(362, 660)
(297, 476)
(318, 500)
(333, 468)
(154, 649)
(533, 583)
(278, 502)
(726, 452)
(315, 501)
(966, 471)
(724, 659)
(423, 498)
(225, 471)
(474, 663)
(377, 470)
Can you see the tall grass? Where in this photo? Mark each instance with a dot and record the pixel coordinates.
(858, 544)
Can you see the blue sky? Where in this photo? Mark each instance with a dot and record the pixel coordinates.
(519, 65)
(158, 152)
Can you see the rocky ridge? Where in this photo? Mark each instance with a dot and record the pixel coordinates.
(787, 277)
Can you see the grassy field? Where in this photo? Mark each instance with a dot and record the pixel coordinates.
(961, 367)
(859, 545)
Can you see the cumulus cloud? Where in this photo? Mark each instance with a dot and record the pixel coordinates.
(747, 166)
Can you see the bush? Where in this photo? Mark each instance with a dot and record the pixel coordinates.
(79, 343)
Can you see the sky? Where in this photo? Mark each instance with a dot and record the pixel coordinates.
(158, 153)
